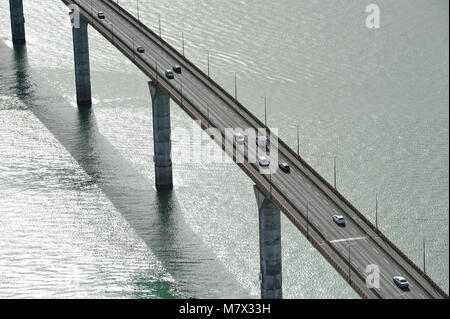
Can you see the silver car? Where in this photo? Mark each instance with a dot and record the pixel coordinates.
(401, 282)
(338, 219)
(263, 161)
(239, 138)
(262, 143)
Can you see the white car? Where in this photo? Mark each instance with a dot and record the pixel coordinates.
(263, 161)
(401, 282)
(338, 219)
(239, 138)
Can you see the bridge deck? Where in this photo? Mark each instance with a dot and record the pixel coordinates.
(202, 99)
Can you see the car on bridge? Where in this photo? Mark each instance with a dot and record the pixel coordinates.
(177, 69)
(262, 143)
(401, 282)
(101, 15)
(239, 138)
(169, 74)
(140, 49)
(338, 219)
(285, 167)
(263, 161)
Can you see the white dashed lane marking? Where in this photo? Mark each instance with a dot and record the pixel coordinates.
(346, 239)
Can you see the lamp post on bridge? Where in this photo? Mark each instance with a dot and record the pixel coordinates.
(235, 86)
(334, 160)
(156, 68)
(265, 111)
(376, 210)
(159, 24)
(298, 141)
(423, 238)
(423, 234)
(207, 58)
(137, 8)
(424, 256)
(182, 41)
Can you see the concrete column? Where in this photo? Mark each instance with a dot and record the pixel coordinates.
(17, 21)
(269, 247)
(82, 69)
(161, 137)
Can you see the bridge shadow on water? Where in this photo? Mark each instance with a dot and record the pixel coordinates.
(155, 216)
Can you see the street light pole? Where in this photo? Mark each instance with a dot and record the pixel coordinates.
(156, 69)
(182, 41)
(298, 141)
(334, 172)
(137, 6)
(376, 210)
(235, 85)
(265, 111)
(208, 62)
(423, 234)
(424, 255)
(159, 23)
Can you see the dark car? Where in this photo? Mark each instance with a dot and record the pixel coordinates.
(140, 49)
(177, 69)
(285, 167)
(169, 74)
(101, 15)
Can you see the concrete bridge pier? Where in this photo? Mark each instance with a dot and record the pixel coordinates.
(17, 21)
(161, 137)
(82, 68)
(269, 246)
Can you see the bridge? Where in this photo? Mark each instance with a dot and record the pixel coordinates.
(355, 251)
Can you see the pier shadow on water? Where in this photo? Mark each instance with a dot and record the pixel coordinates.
(155, 216)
